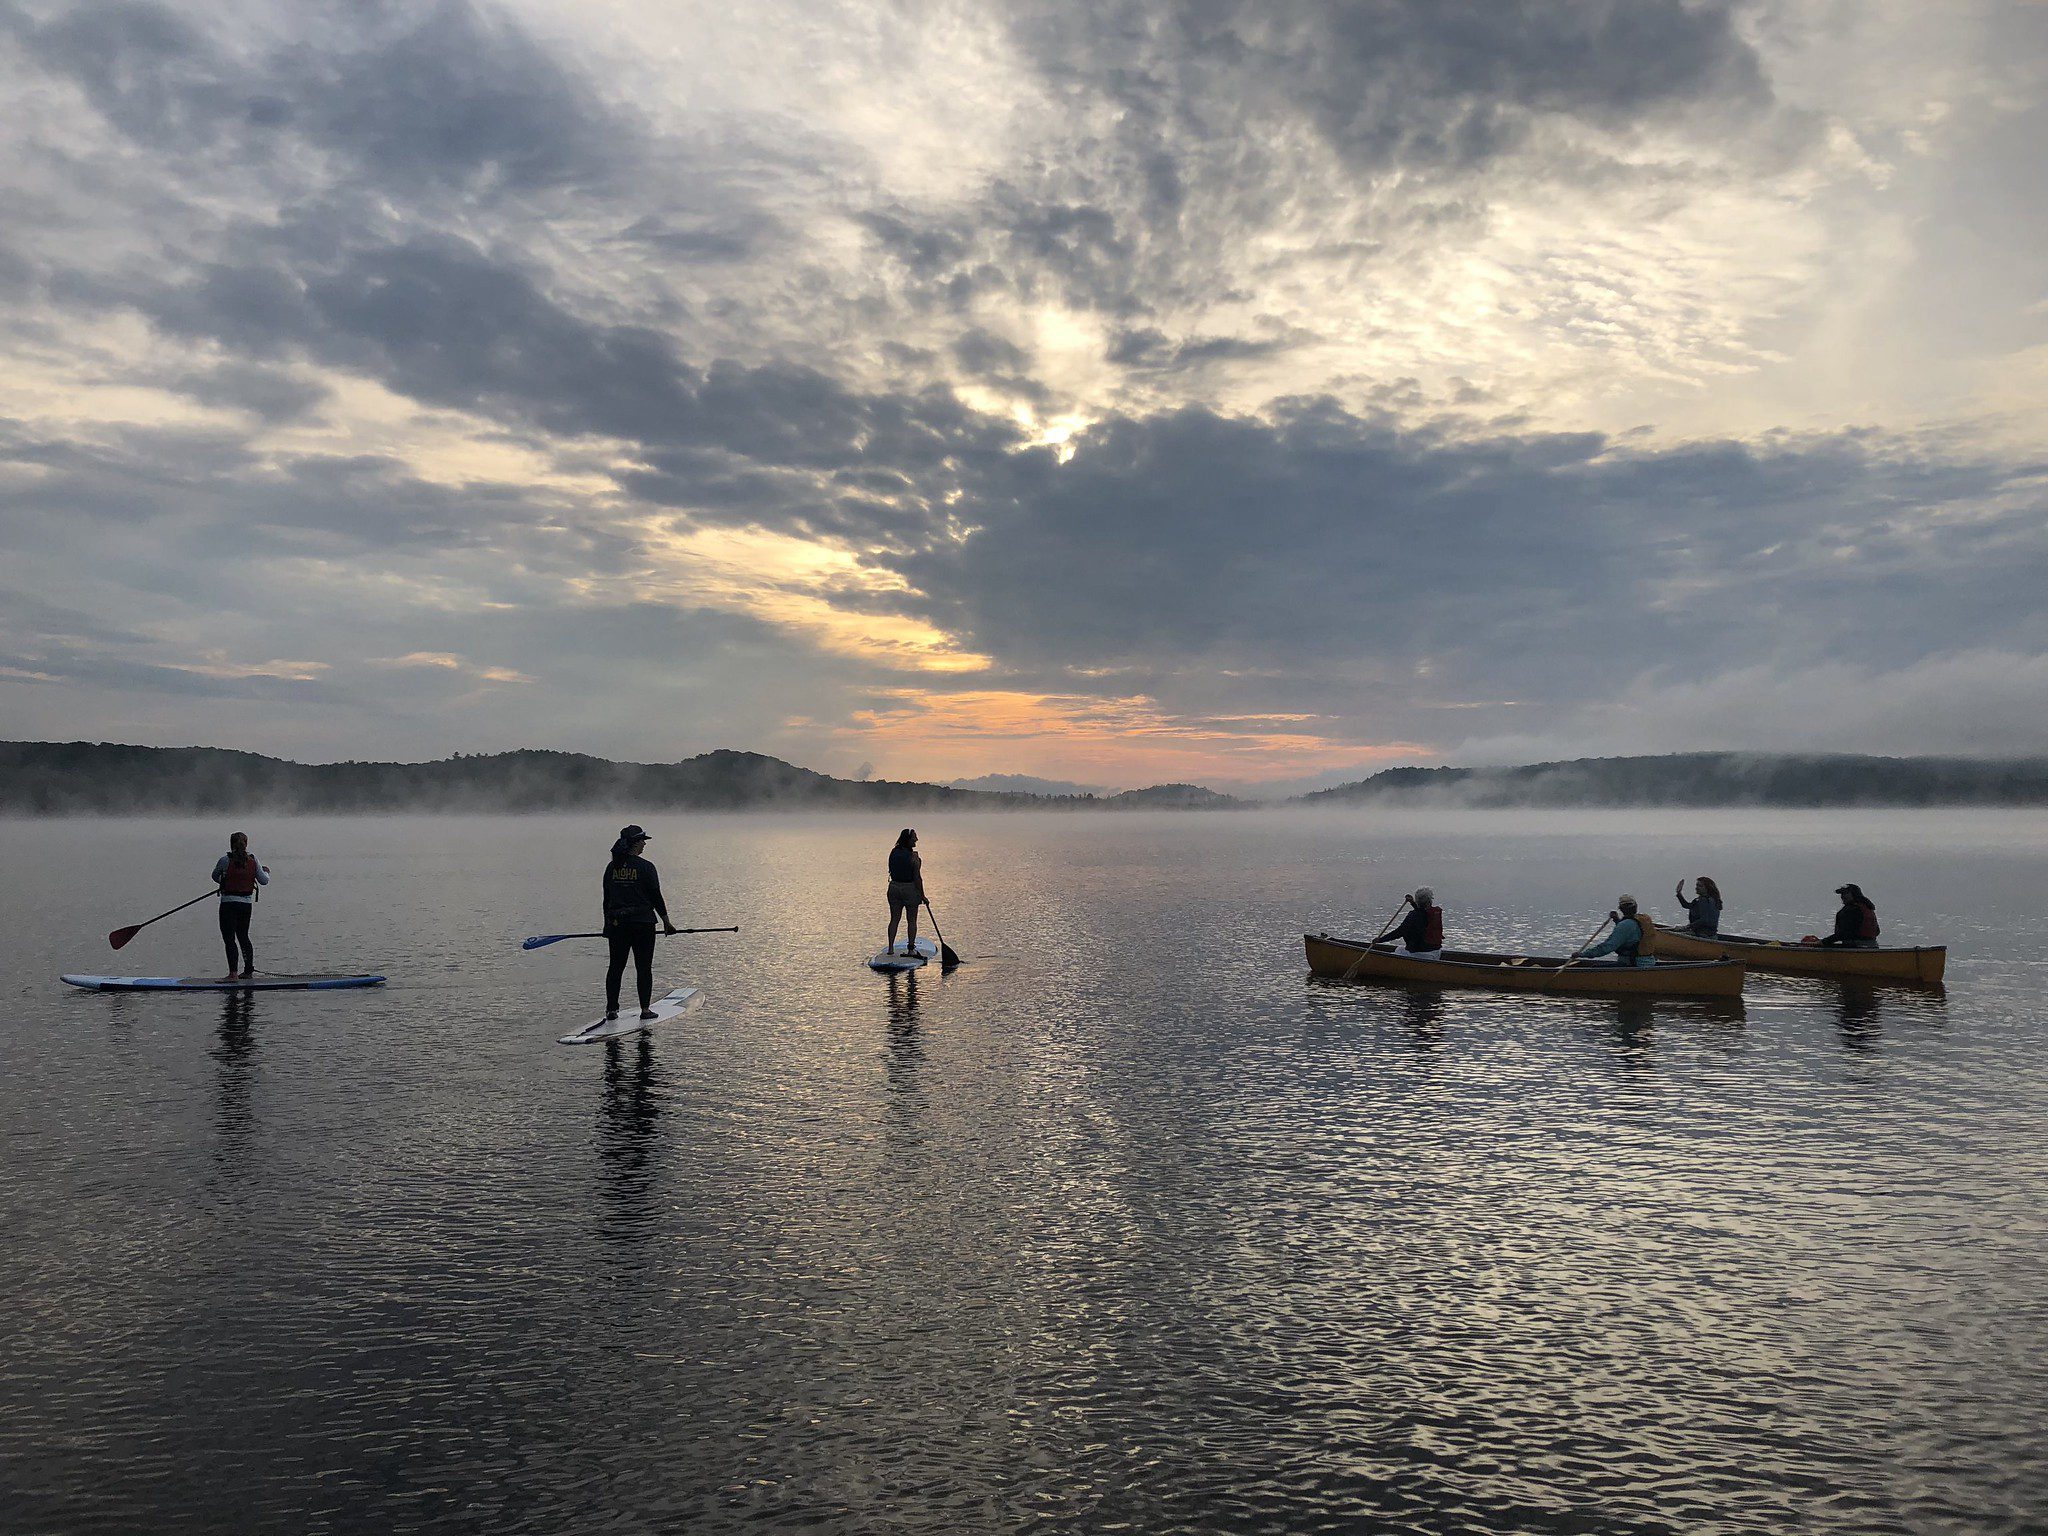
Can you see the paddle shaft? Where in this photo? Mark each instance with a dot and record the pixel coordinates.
(542, 940)
(1574, 960)
(947, 959)
(1386, 928)
(121, 936)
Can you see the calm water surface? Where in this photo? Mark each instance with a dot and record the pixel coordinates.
(1124, 1226)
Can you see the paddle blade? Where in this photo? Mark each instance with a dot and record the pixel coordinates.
(947, 959)
(121, 936)
(542, 940)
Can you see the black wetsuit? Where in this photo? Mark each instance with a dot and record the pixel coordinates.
(234, 933)
(632, 903)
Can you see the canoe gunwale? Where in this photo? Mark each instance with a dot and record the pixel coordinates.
(1921, 964)
(1357, 960)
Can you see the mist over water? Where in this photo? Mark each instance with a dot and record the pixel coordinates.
(1125, 1224)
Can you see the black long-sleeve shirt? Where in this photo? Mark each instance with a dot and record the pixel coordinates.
(632, 892)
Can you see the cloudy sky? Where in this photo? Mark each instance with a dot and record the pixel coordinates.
(1122, 392)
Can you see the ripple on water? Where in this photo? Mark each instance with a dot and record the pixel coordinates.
(1125, 1226)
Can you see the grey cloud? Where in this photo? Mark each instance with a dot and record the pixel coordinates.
(1396, 82)
(1357, 560)
(439, 94)
(443, 322)
(272, 394)
(1206, 113)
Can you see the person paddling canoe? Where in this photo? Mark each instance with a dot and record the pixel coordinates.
(1855, 921)
(1624, 941)
(1421, 932)
(906, 885)
(1703, 912)
(632, 902)
(238, 873)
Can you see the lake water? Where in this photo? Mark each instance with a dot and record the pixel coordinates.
(1124, 1226)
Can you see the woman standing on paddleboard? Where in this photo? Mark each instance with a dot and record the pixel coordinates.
(632, 902)
(238, 873)
(906, 886)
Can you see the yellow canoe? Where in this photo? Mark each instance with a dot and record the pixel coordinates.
(1355, 960)
(1925, 965)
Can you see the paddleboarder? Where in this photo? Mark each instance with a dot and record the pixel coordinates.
(632, 903)
(906, 885)
(238, 873)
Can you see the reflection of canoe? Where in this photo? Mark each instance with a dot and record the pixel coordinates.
(1922, 965)
(1355, 960)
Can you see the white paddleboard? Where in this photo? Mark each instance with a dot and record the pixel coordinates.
(901, 957)
(315, 983)
(629, 1022)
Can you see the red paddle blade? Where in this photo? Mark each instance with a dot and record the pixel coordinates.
(121, 936)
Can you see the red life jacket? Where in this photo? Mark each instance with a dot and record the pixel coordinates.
(1433, 927)
(239, 878)
(1867, 921)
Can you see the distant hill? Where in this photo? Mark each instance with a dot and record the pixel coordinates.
(1708, 778)
(1174, 797)
(85, 778)
(1025, 784)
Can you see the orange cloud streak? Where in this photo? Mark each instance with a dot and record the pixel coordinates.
(1124, 740)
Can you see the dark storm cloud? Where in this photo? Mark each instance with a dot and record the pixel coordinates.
(1387, 83)
(435, 95)
(443, 322)
(1553, 564)
(273, 394)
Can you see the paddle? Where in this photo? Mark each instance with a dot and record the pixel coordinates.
(1599, 929)
(541, 940)
(120, 936)
(947, 959)
(1386, 928)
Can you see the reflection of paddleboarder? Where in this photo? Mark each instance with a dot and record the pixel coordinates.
(238, 874)
(632, 902)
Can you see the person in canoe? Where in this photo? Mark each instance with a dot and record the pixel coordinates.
(1624, 940)
(632, 903)
(906, 885)
(1855, 922)
(1421, 932)
(1703, 912)
(238, 873)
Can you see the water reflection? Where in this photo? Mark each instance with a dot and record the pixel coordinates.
(1422, 1013)
(904, 1065)
(627, 1132)
(234, 1055)
(1862, 1008)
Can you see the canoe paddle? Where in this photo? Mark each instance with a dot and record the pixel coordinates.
(1387, 928)
(947, 959)
(120, 936)
(541, 940)
(1574, 958)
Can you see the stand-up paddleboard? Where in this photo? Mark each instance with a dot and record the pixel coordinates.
(629, 1022)
(214, 984)
(901, 957)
